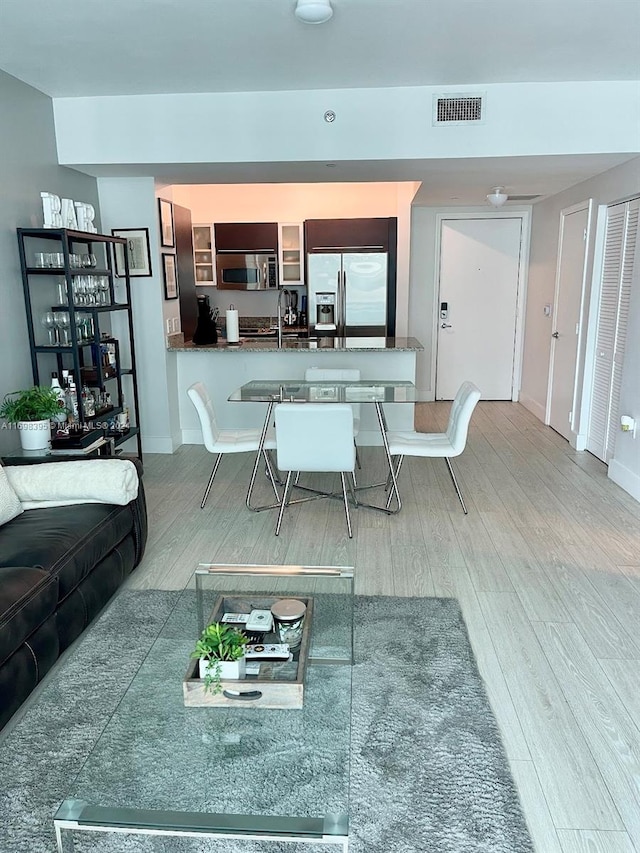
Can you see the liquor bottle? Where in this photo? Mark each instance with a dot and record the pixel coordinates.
(88, 403)
(122, 419)
(72, 400)
(55, 384)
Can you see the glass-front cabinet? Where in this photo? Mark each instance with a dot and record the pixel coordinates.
(80, 326)
(291, 253)
(204, 255)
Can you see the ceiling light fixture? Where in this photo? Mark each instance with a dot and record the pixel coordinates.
(497, 196)
(313, 11)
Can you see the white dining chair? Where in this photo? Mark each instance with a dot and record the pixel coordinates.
(221, 441)
(315, 437)
(339, 374)
(438, 444)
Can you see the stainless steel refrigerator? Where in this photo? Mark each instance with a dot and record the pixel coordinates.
(348, 294)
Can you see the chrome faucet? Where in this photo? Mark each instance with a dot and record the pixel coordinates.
(280, 294)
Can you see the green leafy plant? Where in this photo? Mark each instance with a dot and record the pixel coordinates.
(39, 403)
(219, 642)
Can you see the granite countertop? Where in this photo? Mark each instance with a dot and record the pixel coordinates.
(355, 344)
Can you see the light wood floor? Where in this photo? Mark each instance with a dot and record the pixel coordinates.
(546, 567)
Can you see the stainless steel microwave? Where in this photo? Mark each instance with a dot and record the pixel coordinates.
(247, 271)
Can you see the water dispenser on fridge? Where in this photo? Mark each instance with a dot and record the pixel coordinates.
(325, 312)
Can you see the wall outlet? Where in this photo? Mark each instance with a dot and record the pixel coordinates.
(176, 324)
(169, 325)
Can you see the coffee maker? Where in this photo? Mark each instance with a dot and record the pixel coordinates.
(206, 331)
(325, 312)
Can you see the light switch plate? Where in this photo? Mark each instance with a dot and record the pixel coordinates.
(169, 325)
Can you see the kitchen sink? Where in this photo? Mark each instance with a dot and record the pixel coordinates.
(259, 334)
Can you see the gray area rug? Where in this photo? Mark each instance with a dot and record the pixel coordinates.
(428, 770)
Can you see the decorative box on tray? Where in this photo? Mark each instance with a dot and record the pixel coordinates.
(278, 684)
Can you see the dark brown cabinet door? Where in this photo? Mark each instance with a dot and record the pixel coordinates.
(186, 275)
(246, 237)
(376, 234)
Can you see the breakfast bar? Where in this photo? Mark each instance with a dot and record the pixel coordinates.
(223, 368)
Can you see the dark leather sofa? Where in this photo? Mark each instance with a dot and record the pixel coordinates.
(58, 567)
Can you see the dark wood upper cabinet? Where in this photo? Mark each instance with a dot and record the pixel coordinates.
(344, 234)
(246, 237)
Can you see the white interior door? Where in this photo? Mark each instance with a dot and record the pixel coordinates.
(478, 297)
(570, 284)
(621, 236)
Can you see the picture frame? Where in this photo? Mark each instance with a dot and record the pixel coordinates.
(170, 276)
(138, 252)
(167, 236)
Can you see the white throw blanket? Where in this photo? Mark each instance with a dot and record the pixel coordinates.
(110, 481)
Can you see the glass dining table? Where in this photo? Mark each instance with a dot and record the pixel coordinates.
(366, 392)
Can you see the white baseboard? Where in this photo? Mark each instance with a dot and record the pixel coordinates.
(625, 478)
(533, 406)
(579, 441)
(157, 444)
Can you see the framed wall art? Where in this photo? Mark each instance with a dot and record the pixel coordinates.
(170, 276)
(167, 237)
(138, 251)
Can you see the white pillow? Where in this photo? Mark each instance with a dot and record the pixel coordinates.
(10, 505)
(111, 481)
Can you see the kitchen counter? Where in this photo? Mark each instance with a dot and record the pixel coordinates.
(305, 345)
(225, 367)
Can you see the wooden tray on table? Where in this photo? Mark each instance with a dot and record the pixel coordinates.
(280, 684)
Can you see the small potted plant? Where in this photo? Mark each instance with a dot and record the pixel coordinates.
(220, 651)
(32, 410)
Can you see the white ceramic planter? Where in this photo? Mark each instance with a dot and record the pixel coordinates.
(35, 435)
(229, 669)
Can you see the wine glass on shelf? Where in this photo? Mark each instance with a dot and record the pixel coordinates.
(49, 322)
(79, 290)
(61, 286)
(63, 322)
(93, 296)
(80, 322)
(103, 289)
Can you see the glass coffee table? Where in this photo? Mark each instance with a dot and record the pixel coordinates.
(238, 770)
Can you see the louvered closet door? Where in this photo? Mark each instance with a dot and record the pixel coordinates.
(620, 243)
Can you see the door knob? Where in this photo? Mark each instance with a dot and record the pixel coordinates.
(555, 334)
(445, 326)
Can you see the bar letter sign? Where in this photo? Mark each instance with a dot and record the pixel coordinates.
(65, 213)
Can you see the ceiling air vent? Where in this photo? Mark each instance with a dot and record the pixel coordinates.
(458, 109)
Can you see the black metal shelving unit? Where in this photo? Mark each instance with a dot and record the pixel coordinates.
(89, 332)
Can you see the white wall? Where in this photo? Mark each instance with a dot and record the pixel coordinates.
(28, 165)
(286, 202)
(131, 203)
(371, 124)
